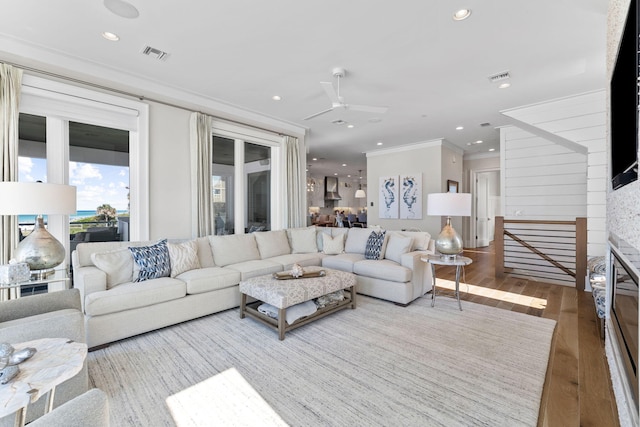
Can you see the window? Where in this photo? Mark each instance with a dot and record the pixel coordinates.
(70, 125)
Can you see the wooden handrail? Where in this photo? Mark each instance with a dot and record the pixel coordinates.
(580, 246)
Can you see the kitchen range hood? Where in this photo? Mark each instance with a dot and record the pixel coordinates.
(331, 188)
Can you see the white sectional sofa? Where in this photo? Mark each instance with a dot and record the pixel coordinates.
(203, 274)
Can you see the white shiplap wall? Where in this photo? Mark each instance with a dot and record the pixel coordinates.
(566, 127)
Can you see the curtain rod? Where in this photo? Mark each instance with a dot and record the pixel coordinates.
(133, 95)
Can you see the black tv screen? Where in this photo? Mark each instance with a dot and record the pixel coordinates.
(624, 104)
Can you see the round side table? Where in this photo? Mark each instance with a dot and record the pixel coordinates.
(459, 262)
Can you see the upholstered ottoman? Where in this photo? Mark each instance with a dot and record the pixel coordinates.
(283, 294)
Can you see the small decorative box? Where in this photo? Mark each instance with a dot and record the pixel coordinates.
(14, 273)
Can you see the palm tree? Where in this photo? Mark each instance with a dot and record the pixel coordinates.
(106, 212)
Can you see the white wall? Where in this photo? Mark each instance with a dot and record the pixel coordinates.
(437, 162)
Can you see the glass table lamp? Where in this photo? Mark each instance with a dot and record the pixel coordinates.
(40, 250)
(449, 242)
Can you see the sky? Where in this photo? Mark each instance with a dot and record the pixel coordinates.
(96, 184)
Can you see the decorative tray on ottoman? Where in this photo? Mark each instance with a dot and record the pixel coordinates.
(286, 275)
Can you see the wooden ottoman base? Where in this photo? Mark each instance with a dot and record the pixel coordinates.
(252, 287)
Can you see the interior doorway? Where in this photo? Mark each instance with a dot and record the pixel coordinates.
(487, 198)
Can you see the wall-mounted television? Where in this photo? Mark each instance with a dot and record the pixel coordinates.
(624, 104)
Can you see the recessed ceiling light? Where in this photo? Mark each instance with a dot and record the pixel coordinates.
(460, 128)
(336, 173)
(276, 98)
(110, 36)
(468, 143)
(492, 149)
(122, 8)
(461, 14)
(479, 141)
(504, 85)
(379, 143)
(348, 176)
(344, 164)
(350, 126)
(314, 159)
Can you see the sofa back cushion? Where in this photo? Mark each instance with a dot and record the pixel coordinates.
(356, 242)
(302, 240)
(234, 248)
(84, 250)
(272, 243)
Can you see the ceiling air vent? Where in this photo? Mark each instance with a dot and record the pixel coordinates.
(338, 122)
(499, 76)
(155, 53)
(485, 124)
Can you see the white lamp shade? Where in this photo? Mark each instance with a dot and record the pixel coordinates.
(360, 194)
(449, 204)
(36, 198)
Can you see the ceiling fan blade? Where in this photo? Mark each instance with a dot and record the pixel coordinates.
(331, 92)
(318, 114)
(368, 108)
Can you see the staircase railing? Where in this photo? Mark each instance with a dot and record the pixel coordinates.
(548, 251)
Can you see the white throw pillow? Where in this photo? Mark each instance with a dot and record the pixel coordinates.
(303, 240)
(117, 264)
(272, 243)
(183, 256)
(357, 240)
(397, 246)
(420, 239)
(332, 245)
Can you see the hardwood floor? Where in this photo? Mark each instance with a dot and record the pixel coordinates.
(578, 388)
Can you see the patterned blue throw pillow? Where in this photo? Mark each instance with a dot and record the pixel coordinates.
(153, 261)
(374, 245)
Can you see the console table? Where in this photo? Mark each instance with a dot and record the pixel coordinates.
(58, 280)
(458, 262)
(56, 360)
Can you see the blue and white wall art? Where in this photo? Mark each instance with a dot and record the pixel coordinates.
(411, 196)
(388, 203)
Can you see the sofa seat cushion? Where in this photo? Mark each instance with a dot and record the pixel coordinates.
(209, 279)
(304, 260)
(255, 268)
(128, 296)
(383, 269)
(342, 262)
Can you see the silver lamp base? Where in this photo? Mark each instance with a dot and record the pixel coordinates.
(449, 243)
(40, 249)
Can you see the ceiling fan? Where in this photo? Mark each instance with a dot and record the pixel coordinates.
(338, 102)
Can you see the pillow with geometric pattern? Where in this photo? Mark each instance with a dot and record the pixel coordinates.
(183, 257)
(151, 262)
(375, 242)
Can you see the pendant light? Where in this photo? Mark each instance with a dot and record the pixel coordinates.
(360, 194)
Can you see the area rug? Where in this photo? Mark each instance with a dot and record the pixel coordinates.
(377, 365)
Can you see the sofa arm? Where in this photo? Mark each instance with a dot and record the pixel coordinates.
(422, 278)
(39, 304)
(89, 280)
(88, 409)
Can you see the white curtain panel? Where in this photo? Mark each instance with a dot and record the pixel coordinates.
(201, 161)
(10, 83)
(294, 198)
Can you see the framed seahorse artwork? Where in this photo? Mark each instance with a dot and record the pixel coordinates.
(388, 202)
(411, 196)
